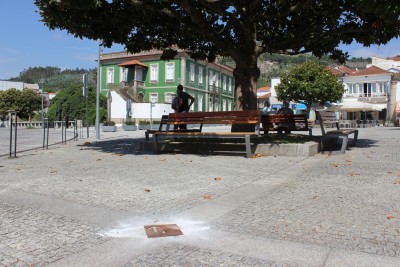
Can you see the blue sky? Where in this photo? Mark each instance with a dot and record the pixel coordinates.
(25, 42)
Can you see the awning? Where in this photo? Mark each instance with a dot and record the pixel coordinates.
(397, 108)
(264, 96)
(354, 106)
(132, 63)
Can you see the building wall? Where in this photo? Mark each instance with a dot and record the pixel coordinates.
(161, 89)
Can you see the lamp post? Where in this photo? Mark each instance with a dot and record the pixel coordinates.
(98, 95)
(44, 128)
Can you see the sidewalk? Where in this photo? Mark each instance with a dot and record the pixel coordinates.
(85, 204)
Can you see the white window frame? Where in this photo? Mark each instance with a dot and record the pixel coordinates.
(154, 73)
(192, 76)
(200, 103)
(229, 105)
(200, 75)
(230, 84)
(210, 77)
(169, 71)
(110, 75)
(216, 79)
(223, 104)
(153, 96)
(123, 74)
(168, 97)
(224, 83)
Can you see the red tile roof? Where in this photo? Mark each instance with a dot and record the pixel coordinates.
(396, 58)
(370, 71)
(340, 70)
(132, 63)
(265, 88)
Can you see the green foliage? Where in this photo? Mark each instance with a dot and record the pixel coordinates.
(309, 83)
(71, 102)
(25, 102)
(52, 79)
(108, 123)
(129, 122)
(242, 30)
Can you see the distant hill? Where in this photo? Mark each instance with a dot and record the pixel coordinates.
(271, 65)
(54, 78)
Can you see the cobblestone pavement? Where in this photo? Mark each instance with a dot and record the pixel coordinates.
(85, 204)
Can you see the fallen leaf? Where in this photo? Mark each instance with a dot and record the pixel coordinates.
(354, 174)
(147, 190)
(348, 160)
(162, 159)
(390, 172)
(396, 181)
(258, 155)
(87, 143)
(98, 159)
(347, 164)
(390, 217)
(336, 165)
(53, 171)
(207, 197)
(217, 178)
(315, 197)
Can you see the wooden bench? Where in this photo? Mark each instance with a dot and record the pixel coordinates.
(329, 117)
(163, 124)
(246, 117)
(285, 122)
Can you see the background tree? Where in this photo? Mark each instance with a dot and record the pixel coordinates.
(29, 103)
(71, 102)
(242, 30)
(25, 103)
(309, 83)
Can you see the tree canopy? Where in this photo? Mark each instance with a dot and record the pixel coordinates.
(309, 83)
(71, 102)
(242, 30)
(25, 102)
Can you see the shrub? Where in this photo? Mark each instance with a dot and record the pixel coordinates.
(108, 123)
(129, 122)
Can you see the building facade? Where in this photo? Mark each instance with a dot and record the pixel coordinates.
(145, 78)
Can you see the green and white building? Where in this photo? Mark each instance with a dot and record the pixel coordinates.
(144, 78)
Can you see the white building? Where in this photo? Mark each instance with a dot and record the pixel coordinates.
(5, 85)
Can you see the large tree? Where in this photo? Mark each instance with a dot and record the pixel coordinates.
(70, 102)
(309, 83)
(242, 30)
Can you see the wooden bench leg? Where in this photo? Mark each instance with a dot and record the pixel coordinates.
(248, 146)
(147, 136)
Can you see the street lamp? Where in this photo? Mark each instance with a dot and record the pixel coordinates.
(42, 81)
(98, 95)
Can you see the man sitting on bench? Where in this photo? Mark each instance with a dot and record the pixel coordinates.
(285, 110)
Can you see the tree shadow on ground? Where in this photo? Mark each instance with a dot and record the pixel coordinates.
(122, 146)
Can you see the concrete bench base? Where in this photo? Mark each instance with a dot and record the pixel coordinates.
(307, 149)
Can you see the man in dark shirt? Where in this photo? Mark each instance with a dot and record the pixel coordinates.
(183, 102)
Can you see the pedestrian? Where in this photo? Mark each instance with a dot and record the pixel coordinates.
(183, 103)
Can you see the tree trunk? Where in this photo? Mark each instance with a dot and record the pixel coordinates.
(246, 76)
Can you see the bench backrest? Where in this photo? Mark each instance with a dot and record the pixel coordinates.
(222, 117)
(326, 117)
(285, 119)
(163, 121)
